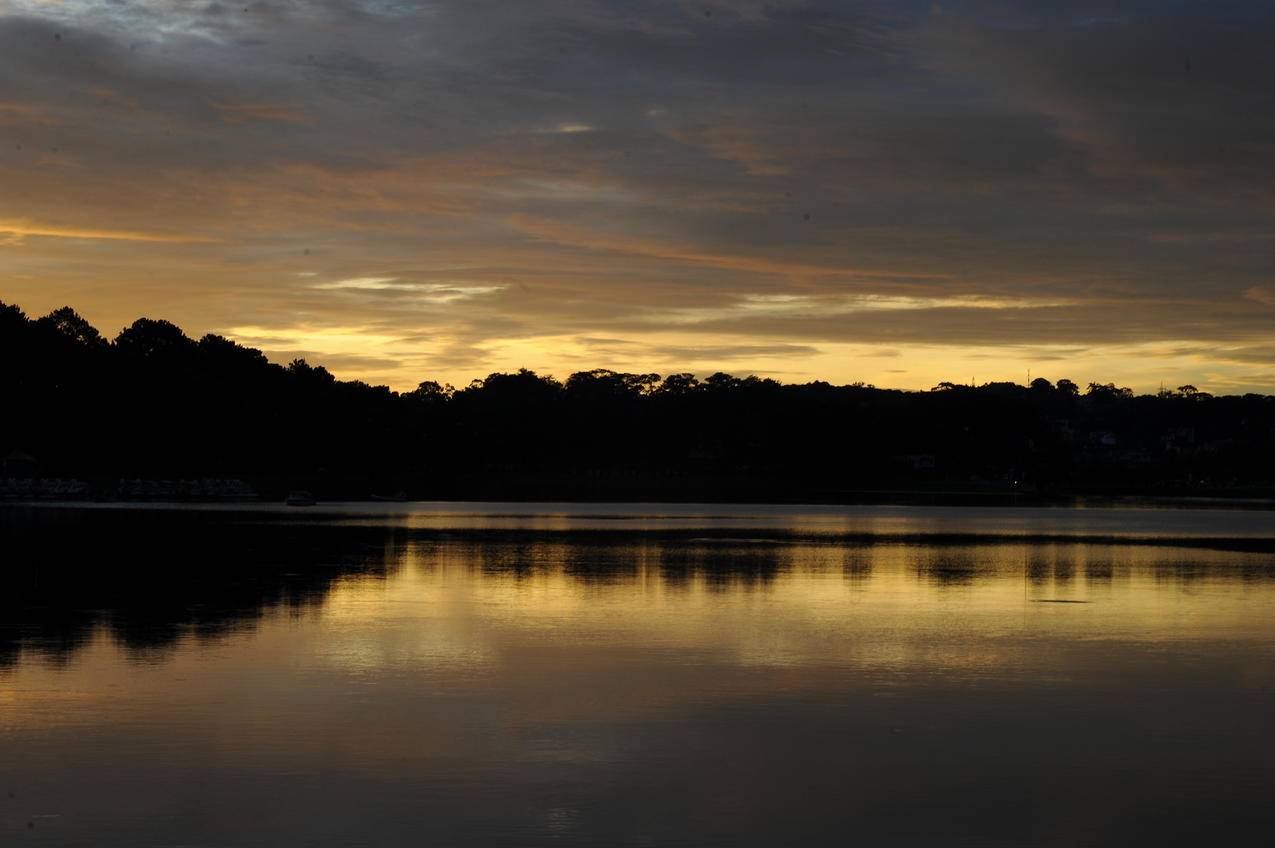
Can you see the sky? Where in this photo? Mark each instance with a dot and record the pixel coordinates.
(898, 193)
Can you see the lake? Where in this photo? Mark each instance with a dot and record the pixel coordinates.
(641, 674)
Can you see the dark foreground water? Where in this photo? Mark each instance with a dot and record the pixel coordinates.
(607, 675)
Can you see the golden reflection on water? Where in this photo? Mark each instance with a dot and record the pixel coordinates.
(526, 688)
(463, 613)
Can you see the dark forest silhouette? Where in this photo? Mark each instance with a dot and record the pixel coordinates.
(153, 404)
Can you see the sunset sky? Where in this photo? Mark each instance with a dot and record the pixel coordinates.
(895, 192)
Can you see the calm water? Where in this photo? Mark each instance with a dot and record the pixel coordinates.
(636, 675)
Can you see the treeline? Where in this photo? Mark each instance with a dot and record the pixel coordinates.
(153, 403)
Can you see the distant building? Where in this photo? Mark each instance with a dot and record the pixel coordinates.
(1104, 438)
(920, 461)
(1062, 428)
(18, 464)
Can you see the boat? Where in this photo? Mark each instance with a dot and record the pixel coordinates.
(398, 497)
(299, 498)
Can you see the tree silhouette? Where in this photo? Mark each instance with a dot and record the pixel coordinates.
(67, 323)
(153, 404)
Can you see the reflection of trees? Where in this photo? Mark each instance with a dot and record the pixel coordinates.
(149, 578)
(1039, 570)
(1052, 567)
(950, 566)
(588, 558)
(679, 558)
(724, 564)
(152, 578)
(623, 557)
(1246, 569)
(1099, 571)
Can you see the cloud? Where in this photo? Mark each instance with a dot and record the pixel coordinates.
(433, 292)
(469, 182)
(22, 229)
(592, 239)
(694, 354)
(1261, 294)
(253, 111)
